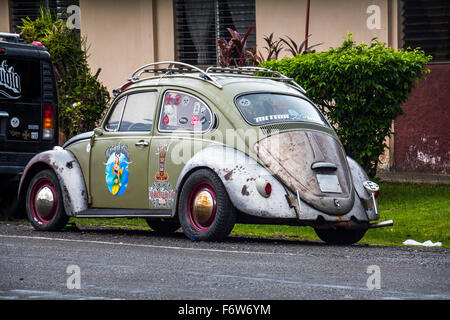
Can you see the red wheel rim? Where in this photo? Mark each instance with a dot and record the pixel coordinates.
(202, 206)
(43, 201)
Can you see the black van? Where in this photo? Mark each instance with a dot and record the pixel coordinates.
(28, 110)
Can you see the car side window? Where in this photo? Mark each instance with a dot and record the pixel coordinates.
(114, 118)
(139, 111)
(184, 112)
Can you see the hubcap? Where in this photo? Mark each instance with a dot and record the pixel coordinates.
(203, 207)
(44, 202)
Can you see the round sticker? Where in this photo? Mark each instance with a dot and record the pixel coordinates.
(15, 122)
(244, 102)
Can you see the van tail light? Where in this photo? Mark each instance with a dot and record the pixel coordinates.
(48, 123)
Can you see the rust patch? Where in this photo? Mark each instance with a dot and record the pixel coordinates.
(245, 191)
(228, 175)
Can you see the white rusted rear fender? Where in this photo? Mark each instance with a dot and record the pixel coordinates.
(358, 177)
(239, 173)
(70, 177)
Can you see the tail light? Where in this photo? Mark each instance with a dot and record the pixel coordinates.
(264, 187)
(48, 123)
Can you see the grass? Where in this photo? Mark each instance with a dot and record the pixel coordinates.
(420, 212)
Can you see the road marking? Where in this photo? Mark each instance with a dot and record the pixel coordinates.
(150, 246)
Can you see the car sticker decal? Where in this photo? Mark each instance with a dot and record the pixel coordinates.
(116, 169)
(161, 193)
(194, 120)
(10, 81)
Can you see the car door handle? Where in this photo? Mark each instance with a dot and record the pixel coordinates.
(141, 144)
(4, 114)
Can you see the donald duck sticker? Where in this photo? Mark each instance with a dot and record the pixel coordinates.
(117, 161)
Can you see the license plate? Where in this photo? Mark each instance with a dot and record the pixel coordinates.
(329, 183)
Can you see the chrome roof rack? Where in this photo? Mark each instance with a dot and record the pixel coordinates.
(163, 69)
(251, 71)
(173, 69)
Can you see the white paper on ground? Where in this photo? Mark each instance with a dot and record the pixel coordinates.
(427, 243)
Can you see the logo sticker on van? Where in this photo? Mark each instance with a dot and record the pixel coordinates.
(10, 81)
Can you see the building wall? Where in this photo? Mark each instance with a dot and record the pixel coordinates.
(4, 16)
(124, 35)
(329, 21)
(422, 135)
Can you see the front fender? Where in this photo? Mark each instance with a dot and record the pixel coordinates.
(70, 177)
(239, 173)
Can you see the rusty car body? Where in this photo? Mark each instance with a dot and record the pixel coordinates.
(204, 150)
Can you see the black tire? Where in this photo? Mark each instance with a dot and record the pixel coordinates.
(340, 236)
(163, 226)
(56, 218)
(223, 215)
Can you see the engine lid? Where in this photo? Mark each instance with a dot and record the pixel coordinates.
(313, 164)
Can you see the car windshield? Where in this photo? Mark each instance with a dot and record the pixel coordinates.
(264, 108)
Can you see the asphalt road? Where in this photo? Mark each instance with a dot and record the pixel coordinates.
(127, 264)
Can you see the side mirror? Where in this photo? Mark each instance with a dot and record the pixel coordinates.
(98, 131)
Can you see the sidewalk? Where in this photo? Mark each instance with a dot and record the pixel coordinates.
(415, 177)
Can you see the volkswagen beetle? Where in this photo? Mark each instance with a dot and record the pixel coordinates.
(204, 150)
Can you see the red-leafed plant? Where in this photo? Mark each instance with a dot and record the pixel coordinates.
(235, 47)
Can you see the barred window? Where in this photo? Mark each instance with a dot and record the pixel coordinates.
(200, 23)
(20, 9)
(426, 24)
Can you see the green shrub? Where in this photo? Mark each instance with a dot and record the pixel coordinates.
(360, 88)
(82, 98)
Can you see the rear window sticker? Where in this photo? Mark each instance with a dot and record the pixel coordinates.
(10, 86)
(244, 102)
(196, 110)
(185, 100)
(194, 120)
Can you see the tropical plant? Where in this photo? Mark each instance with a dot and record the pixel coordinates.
(82, 99)
(360, 88)
(234, 47)
(295, 49)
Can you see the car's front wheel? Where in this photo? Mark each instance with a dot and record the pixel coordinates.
(340, 236)
(44, 202)
(204, 210)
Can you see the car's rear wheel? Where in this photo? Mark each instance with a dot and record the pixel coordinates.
(44, 202)
(163, 226)
(205, 211)
(340, 236)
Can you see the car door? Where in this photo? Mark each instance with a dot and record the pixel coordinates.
(183, 120)
(120, 153)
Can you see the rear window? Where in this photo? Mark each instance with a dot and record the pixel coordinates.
(264, 108)
(20, 80)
